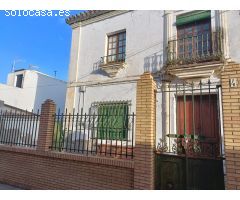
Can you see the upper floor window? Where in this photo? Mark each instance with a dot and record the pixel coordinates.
(196, 42)
(116, 47)
(194, 39)
(194, 34)
(19, 81)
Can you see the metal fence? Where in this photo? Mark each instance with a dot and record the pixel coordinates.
(19, 128)
(194, 120)
(94, 134)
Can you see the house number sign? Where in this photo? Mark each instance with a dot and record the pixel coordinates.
(233, 82)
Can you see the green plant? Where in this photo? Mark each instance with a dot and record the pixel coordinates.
(58, 139)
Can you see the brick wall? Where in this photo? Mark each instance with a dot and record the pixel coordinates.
(231, 121)
(42, 168)
(31, 169)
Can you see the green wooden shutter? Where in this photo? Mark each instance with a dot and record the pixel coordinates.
(119, 125)
(113, 121)
(192, 16)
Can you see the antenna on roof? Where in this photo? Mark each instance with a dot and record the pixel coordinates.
(33, 67)
(14, 63)
(55, 73)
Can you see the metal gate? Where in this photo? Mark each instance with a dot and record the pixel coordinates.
(190, 151)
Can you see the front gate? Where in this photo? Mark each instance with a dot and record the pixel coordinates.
(190, 152)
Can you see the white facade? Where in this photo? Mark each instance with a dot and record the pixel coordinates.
(143, 53)
(147, 36)
(36, 88)
(233, 22)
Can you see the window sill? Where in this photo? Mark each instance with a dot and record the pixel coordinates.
(112, 68)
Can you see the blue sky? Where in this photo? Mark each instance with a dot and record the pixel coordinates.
(39, 41)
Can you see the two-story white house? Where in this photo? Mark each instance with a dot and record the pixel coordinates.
(111, 49)
(28, 89)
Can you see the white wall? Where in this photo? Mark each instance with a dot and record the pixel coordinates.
(50, 88)
(36, 89)
(116, 92)
(233, 21)
(17, 97)
(143, 53)
(143, 31)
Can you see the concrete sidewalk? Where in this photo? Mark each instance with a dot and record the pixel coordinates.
(8, 187)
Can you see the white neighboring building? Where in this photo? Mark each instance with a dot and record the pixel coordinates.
(28, 89)
(6, 108)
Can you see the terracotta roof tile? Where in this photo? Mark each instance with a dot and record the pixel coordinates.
(85, 16)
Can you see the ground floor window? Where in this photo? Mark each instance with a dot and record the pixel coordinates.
(112, 123)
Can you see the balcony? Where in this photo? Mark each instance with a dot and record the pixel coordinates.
(195, 50)
(111, 64)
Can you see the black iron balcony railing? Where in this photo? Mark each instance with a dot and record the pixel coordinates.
(114, 58)
(205, 47)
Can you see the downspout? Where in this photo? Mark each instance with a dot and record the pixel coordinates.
(167, 34)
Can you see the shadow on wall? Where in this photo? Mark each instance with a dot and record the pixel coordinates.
(153, 62)
(96, 66)
(97, 70)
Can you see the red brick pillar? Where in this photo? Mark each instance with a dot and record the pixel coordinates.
(230, 78)
(46, 126)
(144, 155)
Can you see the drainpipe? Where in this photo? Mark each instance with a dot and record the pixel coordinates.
(167, 35)
(165, 109)
(71, 99)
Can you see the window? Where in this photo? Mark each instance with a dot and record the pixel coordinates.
(19, 80)
(116, 47)
(194, 34)
(112, 121)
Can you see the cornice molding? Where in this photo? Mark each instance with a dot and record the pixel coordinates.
(78, 22)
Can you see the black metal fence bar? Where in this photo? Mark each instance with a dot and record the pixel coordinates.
(35, 128)
(94, 134)
(19, 128)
